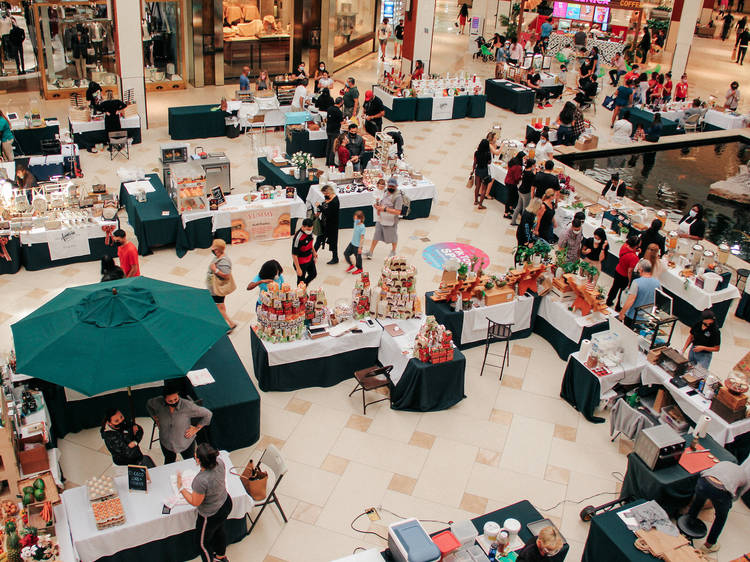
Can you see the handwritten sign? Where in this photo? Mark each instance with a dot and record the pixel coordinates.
(65, 244)
(217, 196)
(137, 478)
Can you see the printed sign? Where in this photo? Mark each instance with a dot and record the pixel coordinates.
(65, 244)
(266, 223)
(438, 254)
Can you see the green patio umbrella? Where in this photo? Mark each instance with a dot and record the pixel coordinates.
(117, 334)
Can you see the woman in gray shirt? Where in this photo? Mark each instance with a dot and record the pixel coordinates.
(220, 267)
(210, 496)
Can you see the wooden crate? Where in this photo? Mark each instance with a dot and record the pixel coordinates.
(50, 487)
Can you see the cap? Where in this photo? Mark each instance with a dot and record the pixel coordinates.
(368, 95)
(392, 181)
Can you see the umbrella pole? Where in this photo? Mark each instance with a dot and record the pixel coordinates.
(130, 401)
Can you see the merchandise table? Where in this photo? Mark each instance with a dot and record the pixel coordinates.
(29, 140)
(196, 122)
(321, 362)
(397, 109)
(232, 399)
(743, 307)
(609, 539)
(469, 327)
(563, 329)
(696, 406)
(419, 386)
(583, 390)
(147, 533)
(89, 133)
(437, 108)
(690, 301)
(509, 95)
(41, 248)
(607, 49)
(151, 225)
(421, 195)
(275, 176)
(13, 247)
(302, 140)
(264, 219)
(498, 190)
(45, 167)
(643, 117)
(715, 119)
(671, 487)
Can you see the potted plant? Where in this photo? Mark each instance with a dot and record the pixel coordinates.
(463, 271)
(540, 250)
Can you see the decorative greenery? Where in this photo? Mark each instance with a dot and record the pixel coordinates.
(587, 269)
(510, 21)
(523, 254)
(463, 271)
(540, 247)
(302, 160)
(579, 205)
(657, 24)
(570, 266)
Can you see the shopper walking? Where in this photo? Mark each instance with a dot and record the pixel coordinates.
(623, 98)
(17, 37)
(121, 437)
(742, 41)
(389, 211)
(374, 110)
(333, 128)
(624, 270)
(6, 137)
(384, 33)
(463, 15)
(524, 190)
(356, 146)
(174, 417)
(525, 232)
(340, 152)
(219, 279)
(328, 211)
(512, 179)
(209, 495)
(645, 45)
(357, 244)
(351, 98)
(641, 293)
(304, 255)
(481, 171)
(398, 39)
(127, 253)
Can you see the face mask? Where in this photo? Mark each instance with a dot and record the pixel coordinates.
(352, 135)
(116, 426)
(357, 221)
(321, 67)
(693, 213)
(391, 190)
(308, 232)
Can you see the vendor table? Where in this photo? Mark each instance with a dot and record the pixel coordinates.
(44, 167)
(609, 539)
(743, 307)
(232, 399)
(41, 249)
(421, 195)
(29, 140)
(148, 534)
(563, 329)
(509, 95)
(196, 122)
(155, 221)
(696, 406)
(275, 176)
(671, 487)
(715, 119)
(419, 386)
(607, 49)
(429, 108)
(499, 190)
(690, 301)
(89, 133)
(13, 247)
(397, 109)
(643, 117)
(321, 362)
(264, 219)
(302, 140)
(583, 390)
(469, 327)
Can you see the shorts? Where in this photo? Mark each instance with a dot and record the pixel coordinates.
(348, 111)
(383, 42)
(399, 41)
(218, 299)
(387, 234)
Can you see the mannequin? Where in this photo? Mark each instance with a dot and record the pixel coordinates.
(6, 24)
(98, 34)
(80, 45)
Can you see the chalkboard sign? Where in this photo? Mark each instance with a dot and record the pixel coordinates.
(217, 195)
(137, 478)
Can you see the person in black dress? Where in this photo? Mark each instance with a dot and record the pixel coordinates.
(652, 236)
(545, 223)
(594, 249)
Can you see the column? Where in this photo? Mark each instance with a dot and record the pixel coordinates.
(418, 22)
(690, 11)
(129, 45)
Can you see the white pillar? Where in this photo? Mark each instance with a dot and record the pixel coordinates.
(423, 32)
(690, 11)
(130, 52)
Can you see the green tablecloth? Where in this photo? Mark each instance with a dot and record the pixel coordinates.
(646, 118)
(503, 95)
(560, 342)
(477, 106)
(743, 307)
(672, 487)
(37, 256)
(611, 541)
(581, 389)
(427, 387)
(323, 371)
(274, 176)
(199, 234)
(404, 109)
(499, 191)
(151, 227)
(13, 247)
(298, 140)
(460, 107)
(29, 141)
(690, 315)
(196, 122)
(424, 109)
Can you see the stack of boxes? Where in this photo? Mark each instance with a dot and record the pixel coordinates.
(361, 297)
(281, 316)
(397, 296)
(434, 344)
(315, 311)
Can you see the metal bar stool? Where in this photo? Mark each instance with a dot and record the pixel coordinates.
(497, 332)
(742, 275)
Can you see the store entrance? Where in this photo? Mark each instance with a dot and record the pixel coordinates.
(19, 71)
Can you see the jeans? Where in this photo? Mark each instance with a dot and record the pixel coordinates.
(523, 202)
(614, 75)
(170, 457)
(702, 358)
(511, 199)
(212, 538)
(741, 52)
(352, 250)
(619, 283)
(565, 135)
(721, 500)
(309, 272)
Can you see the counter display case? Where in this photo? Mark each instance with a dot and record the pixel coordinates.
(654, 325)
(162, 34)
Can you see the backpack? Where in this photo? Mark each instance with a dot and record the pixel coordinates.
(405, 204)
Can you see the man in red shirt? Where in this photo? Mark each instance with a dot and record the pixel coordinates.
(633, 74)
(128, 254)
(304, 255)
(624, 270)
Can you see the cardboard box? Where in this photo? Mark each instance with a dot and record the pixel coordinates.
(729, 415)
(731, 401)
(33, 459)
(662, 400)
(587, 142)
(499, 295)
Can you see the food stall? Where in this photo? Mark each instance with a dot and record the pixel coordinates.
(270, 169)
(151, 213)
(510, 95)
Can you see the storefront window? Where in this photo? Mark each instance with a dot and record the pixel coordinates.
(355, 24)
(162, 42)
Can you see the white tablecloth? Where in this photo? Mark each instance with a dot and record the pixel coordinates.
(622, 374)
(698, 298)
(423, 190)
(384, 96)
(498, 172)
(725, 120)
(133, 122)
(398, 351)
(696, 406)
(222, 218)
(516, 312)
(67, 242)
(144, 520)
(62, 531)
(318, 135)
(569, 324)
(291, 352)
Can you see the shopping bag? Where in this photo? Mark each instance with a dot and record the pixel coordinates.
(470, 181)
(223, 287)
(253, 479)
(608, 103)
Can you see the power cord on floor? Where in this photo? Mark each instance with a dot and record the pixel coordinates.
(381, 508)
(357, 518)
(577, 502)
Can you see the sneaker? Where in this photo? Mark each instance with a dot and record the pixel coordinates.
(368, 255)
(356, 272)
(348, 269)
(333, 261)
(540, 106)
(712, 548)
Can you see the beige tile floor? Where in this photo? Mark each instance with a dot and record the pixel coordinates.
(505, 442)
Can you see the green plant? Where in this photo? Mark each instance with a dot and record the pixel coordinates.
(541, 248)
(657, 24)
(561, 257)
(570, 267)
(463, 270)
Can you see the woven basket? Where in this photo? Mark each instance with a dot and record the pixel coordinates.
(79, 114)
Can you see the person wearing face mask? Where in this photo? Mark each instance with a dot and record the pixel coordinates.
(544, 150)
(594, 250)
(121, 437)
(388, 210)
(704, 340)
(300, 93)
(127, 253)
(325, 80)
(374, 111)
(270, 272)
(572, 238)
(732, 97)
(692, 225)
(355, 145)
(174, 416)
(357, 244)
(318, 75)
(220, 267)
(328, 212)
(301, 74)
(615, 187)
(304, 255)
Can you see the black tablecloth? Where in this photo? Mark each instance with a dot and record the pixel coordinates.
(429, 387)
(690, 315)
(560, 342)
(13, 247)
(323, 371)
(199, 234)
(673, 486)
(36, 256)
(274, 176)
(88, 139)
(743, 307)
(506, 96)
(151, 227)
(196, 122)
(611, 541)
(29, 141)
(638, 116)
(298, 140)
(581, 389)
